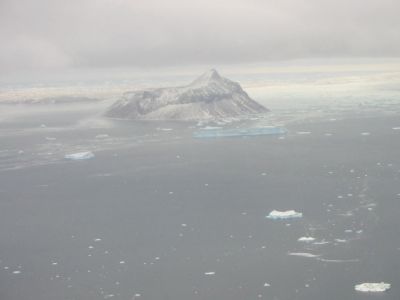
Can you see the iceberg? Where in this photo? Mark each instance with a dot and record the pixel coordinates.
(281, 215)
(237, 132)
(372, 287)
(80, 155)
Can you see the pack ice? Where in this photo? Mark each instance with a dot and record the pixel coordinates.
(80, 155)
(281, 215)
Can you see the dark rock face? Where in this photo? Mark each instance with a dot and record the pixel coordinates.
(209, 96)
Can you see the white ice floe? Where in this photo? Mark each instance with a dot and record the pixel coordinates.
(288, 214)
(102, 136)
(16, 272)
(211, 127)
(323, 242)
(164, 129)
(303, 254)
(340, 240)
(396, 128)
(267, 284)
(365, 133)
(80, 155)
(209, 273)
(306, 239)
(303, 132)
(372, 287)
(339, 260)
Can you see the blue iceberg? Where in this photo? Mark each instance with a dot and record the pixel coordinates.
(236, 132)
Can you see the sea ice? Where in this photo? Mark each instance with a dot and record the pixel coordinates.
(289, 214)
(306, 239)
(210, 128)
(340, 241)
(303, 254)
(372, 287)
(209, 273)
(102, 136)
(80, 155)
(237, 132)
(164, 129)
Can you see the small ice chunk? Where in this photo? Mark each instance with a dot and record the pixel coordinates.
(303, 132)
(365, 133)
(303, 254)
(102, 136)
(122, 262)
(209, 273)
(267, 284)
(80, 155)
(288, 214)
(97, 240)
(49, 138)
(164, 129)
(323, 242)
(239, 132)
(16, 272)
(210, 127)
(396, 128)
(306, 239)
(340, 241)
(372, 287)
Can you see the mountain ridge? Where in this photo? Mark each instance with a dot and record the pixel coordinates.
(208, 96)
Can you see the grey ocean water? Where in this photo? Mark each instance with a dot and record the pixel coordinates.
(157, 214)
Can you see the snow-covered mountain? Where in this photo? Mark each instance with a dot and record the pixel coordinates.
(208, 97)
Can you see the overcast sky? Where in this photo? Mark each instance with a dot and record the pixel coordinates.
(58, 34)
